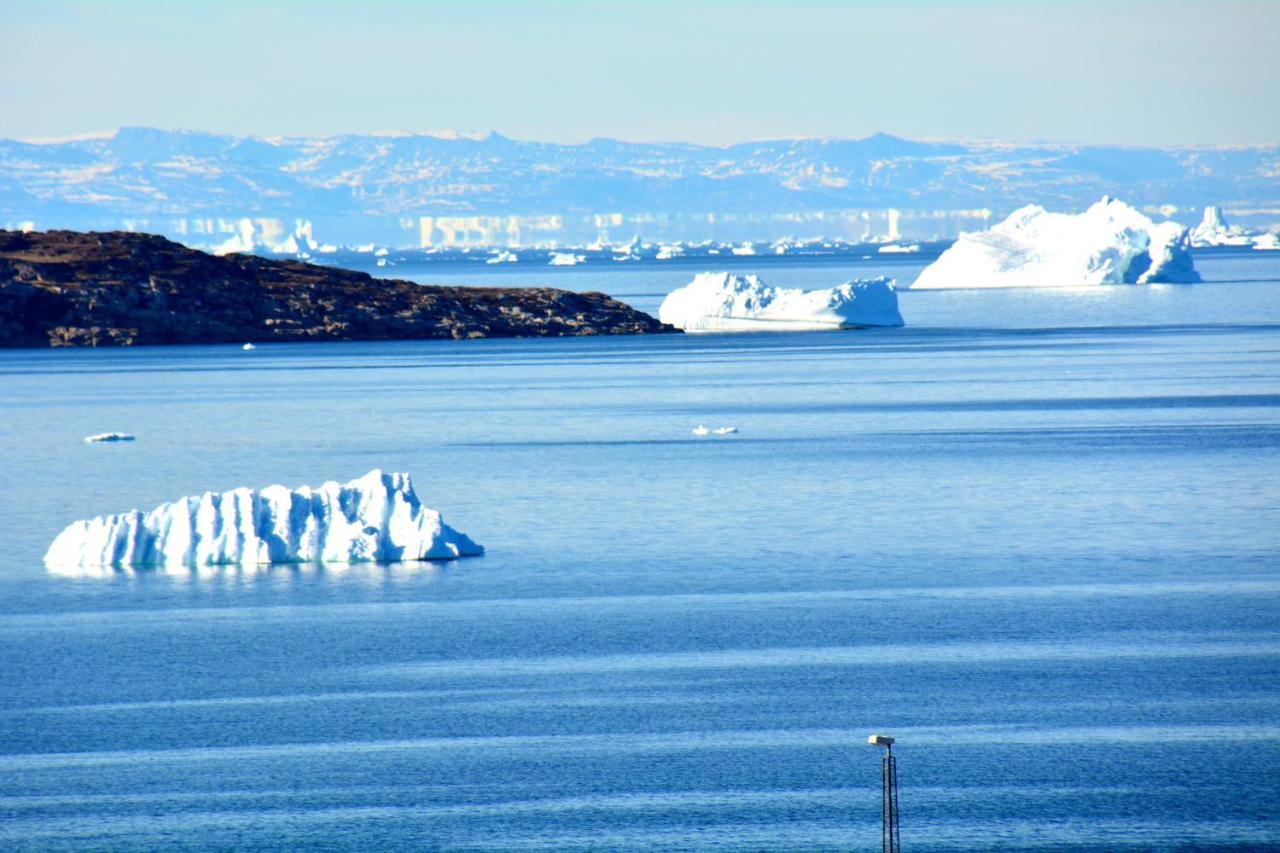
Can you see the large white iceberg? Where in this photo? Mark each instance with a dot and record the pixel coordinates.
(723, 302)
(1110, 243)
(376, 518)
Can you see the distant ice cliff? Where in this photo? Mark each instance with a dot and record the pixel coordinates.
(376, 518)
(723, 302)
(1110, 243)
(1214, 230)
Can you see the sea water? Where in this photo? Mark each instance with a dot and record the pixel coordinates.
(1033, 535)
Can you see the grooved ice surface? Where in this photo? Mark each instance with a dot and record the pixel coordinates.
(376, 518)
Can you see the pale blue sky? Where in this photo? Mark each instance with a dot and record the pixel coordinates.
(1147, 73)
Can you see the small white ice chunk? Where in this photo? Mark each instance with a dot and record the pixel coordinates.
(376, 518)
(723, 302)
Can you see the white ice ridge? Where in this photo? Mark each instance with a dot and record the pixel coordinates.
(1110, 243)
(723, 302)
(376, 518)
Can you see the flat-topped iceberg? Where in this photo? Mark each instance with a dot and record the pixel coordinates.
(723, 302)
(1110, 243)
(376, 518)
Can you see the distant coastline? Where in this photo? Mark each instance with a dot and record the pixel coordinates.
(454, 191)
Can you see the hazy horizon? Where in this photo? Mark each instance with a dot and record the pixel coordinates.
(711, 73)
(477, 135)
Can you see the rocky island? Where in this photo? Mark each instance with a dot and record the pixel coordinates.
(70, 288)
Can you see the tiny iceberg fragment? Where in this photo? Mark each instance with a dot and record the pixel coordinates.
(375, 519)
(701, 430)
(248, 347)
(108, 436)
(723, 302)
(1110, 243)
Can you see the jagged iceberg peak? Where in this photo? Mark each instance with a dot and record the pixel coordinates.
(376, 518)
(1110, 243)
(1213, 230)
(723, 302)
(1213, 218)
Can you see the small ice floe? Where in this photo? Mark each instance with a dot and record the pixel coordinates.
(724, 430)
(566, 259)
(377, 518)
(108, 436)
(248, 347)
(701, 430)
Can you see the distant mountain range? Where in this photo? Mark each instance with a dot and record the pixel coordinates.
(452, 189)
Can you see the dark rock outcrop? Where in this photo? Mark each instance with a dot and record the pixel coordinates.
(68, 288)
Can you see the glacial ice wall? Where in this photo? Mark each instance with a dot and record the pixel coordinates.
(1110, 243)
(723, 302)
(376, 518)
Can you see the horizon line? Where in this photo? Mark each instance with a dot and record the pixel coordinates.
(481, 136)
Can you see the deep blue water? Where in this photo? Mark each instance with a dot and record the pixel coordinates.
(1033, 535)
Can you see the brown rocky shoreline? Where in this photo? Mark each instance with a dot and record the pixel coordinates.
(70, 288)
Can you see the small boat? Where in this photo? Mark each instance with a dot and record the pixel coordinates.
(724, 430)
(701, 430)
(248, 347)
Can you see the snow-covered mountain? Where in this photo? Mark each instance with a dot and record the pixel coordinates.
(459, 189)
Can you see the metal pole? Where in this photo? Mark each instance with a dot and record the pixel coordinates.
(895, 833)
(890, 834)
(886, 807)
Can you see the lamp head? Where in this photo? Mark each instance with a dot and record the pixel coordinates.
(880, 740)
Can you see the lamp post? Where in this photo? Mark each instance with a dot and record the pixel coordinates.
(890, 838)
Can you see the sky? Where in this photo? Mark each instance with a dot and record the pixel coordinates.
(1124, 72)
